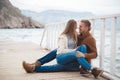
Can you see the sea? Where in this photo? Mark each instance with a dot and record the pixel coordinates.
(35, 35)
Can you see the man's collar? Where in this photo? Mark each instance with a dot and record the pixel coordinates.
(84, 35)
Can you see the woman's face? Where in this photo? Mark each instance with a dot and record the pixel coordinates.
(75, 27)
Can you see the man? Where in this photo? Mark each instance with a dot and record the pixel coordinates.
(86, 38)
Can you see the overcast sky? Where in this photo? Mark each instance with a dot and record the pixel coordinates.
(98, 7)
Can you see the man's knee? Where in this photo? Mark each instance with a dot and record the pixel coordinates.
(82, 48)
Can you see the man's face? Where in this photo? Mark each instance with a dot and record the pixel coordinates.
(82, 27)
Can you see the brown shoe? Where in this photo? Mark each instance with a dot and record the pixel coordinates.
(84, 72)
(28, 68)
(96, 72)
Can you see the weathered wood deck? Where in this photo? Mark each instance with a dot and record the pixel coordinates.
(13, 53)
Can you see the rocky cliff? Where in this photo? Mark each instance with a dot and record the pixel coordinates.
(11, 17)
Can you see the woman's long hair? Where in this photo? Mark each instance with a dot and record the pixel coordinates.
(70, 29)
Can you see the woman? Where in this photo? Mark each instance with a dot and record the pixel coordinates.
(66, 43)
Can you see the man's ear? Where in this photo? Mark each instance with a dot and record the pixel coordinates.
(87, 28)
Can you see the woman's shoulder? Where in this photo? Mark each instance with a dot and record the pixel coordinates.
(62, 36)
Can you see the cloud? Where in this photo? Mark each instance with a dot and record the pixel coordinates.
(95, 6)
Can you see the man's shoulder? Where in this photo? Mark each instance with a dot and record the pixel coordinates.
(90, 38)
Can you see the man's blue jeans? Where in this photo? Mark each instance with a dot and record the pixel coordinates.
(74, 66)
(66, 61)
(69, 57)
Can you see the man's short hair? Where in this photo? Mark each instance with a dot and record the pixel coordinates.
(87, 23)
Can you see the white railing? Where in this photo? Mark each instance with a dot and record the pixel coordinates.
(52, 31)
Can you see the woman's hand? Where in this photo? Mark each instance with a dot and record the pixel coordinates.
(80, 54)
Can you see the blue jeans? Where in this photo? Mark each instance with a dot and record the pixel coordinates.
(66, 58)
(74, 66)
(66, 61)
(49, 57)
(58, 67)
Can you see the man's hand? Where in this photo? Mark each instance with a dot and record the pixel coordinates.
(80, 54)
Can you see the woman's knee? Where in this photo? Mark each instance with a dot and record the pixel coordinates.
(59, 59)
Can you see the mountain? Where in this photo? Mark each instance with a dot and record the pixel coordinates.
(52, 16)
(11, 17)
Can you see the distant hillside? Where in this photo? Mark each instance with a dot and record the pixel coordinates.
(11, 17)
(51, 16)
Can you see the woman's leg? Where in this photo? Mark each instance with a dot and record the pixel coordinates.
(49, 57)
(74, 66)
(66, 58)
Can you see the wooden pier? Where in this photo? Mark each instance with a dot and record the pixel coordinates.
(13, 53)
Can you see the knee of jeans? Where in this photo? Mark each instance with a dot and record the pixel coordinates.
(54, 51)
(83, 45)
(82, 48)
(60, 60)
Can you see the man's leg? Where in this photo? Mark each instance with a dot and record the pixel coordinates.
(49, 68)
(58, 68)
(73, 66)
(66, 58)
(82, 61)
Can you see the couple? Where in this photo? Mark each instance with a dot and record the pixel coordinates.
(74, 52)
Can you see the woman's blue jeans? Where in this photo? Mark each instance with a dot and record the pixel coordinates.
(73, 66)
(49, 57)
(66, 61)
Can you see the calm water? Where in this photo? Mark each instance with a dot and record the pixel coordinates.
(35, 36)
